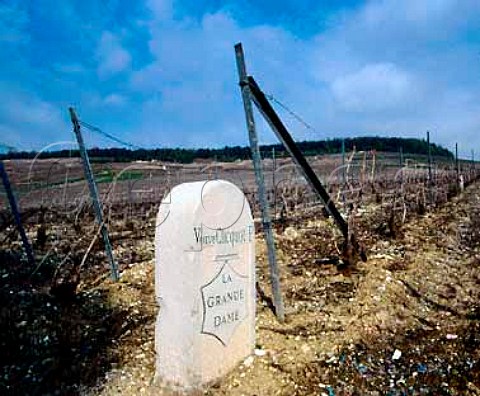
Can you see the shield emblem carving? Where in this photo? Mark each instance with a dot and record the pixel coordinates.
(224, 303)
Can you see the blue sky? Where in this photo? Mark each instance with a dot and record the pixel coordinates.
(162, 72)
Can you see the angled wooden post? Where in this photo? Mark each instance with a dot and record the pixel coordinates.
(16, 215)
(257, 163)
(94, 193)
(286, 139)
(279, 129)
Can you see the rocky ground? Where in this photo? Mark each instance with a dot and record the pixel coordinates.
(406, 322)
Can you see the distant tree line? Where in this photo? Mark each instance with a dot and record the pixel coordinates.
(230, 154)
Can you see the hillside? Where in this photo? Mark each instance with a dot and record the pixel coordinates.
(230, 154)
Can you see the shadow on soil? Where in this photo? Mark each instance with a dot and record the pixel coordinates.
(51, 345)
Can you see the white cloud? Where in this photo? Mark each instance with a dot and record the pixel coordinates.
(13, 22)
(161, 9)
(403, 20)
(115, 100)
(112, 57)
(375, 87)
(408, 11)
(26, 115)
(70, 68)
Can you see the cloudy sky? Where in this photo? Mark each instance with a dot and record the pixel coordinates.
(162, 72)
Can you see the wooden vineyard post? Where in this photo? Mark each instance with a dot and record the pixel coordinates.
(257, 164)
(344, 178)
(472, 166)
(274, 183)
(94, 193)
(457, 170)
(343, 163)
(430, 179)
(216, 167)
(400, 154)
(16, 215)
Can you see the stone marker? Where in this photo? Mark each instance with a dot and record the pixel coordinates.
(204, 283)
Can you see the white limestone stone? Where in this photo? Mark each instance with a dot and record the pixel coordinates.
(204, 283)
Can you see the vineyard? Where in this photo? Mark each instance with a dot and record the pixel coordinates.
(70, 328)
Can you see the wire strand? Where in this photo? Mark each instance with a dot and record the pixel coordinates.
(271, 98)
(108, 135)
